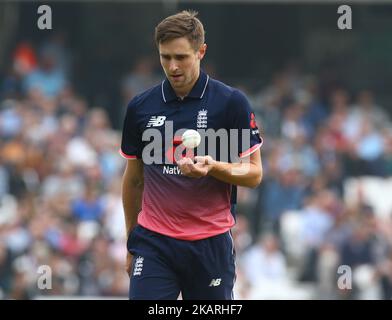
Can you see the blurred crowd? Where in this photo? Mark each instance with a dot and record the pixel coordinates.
(60, 187)
(300, 235)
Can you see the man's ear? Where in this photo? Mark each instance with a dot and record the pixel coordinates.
(202, 51)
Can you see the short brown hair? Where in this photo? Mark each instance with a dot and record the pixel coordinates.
(183, 24)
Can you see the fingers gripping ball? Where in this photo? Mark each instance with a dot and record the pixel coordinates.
(191, 139)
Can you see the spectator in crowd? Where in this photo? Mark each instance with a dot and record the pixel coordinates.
(264, 261)
(49, 79)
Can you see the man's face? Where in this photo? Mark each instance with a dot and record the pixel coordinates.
(181, 63)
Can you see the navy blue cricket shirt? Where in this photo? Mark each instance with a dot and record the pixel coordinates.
(173, 204)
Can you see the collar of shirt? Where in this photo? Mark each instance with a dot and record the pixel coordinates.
(197, 92)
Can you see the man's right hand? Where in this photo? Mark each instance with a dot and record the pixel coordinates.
(129, 264)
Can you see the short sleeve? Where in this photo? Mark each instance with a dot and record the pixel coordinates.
(131, 142)
(241, 117)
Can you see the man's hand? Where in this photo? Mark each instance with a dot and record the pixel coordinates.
(128, 265)
(197, 167)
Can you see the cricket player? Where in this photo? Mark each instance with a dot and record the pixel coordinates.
(179, 211)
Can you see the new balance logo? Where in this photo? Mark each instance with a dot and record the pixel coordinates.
(156, 121)
(215, 282)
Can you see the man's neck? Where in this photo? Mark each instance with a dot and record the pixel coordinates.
(183, 93)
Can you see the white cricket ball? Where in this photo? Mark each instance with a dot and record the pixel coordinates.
(191, 138)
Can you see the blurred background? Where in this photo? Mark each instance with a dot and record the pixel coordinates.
(322, 99)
